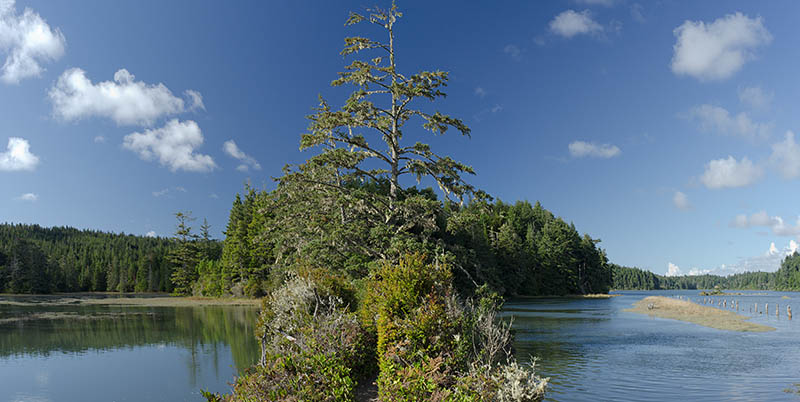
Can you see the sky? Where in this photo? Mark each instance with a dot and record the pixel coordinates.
(665, 129)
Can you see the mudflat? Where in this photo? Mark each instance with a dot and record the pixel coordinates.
(665, 307)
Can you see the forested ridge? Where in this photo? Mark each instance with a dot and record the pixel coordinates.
(35, 259)
(786, 278)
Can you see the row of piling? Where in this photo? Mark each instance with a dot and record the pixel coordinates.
(734, 304)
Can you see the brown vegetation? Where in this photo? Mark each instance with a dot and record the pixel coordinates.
(664, 307)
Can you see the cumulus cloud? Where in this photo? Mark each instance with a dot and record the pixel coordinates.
(480, 92)
(150, 234)
(173, 145)
(769, 261)
(681, 201)
(124, 100)
(195, 100)
(673, 270)
(27, 41)
(248, 161)
(755, 97)
(717, 50)
(29, 197)
(18, 156)
(716, 119)
(729, 173)
(571, 23)
(777, 224)
(581, 149)
(100, 139)
(785, 157)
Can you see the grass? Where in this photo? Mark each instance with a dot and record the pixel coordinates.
(664, 307)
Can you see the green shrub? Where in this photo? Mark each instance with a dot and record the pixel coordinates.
(313, 349)
(431, 347)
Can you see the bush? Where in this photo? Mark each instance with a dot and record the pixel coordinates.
(433, 347)
(313, 349)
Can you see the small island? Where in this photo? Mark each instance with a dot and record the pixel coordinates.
(665, 307)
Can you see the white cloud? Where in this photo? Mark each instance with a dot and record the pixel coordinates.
(786, 157)
(195, 100)
(717, 119)
(673, 270)
(480, 92)
(770, 261)
(513, 51)
(606, 3)
(248, 161)
(755, 97)
(18, 156)
(150, 234)
(717, 50)
(28, 42)
(637, 13)
(571, 23)
(580, 149)
(761, 219)
(174, 145)
(213, 195)
(729, 173)
(681, 201)
(123, 100)
(29, 197)
(100, 139)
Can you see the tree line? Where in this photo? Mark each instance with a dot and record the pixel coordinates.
(786, 278)
(34, 259)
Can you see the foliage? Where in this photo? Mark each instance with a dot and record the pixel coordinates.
(82, 260)
(432, 347)
(313, 348)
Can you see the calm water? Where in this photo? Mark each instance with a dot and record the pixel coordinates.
(112, 353)
(594, 351)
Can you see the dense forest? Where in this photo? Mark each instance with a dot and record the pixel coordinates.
(34, 259)
(516, 249)
(785, 278)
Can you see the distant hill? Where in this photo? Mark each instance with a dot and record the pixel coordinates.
(35, 259)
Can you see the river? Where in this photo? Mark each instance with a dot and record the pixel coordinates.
(592, 350)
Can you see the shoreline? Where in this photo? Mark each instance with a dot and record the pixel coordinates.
(680, 310)
(586, 296)
(122, 299)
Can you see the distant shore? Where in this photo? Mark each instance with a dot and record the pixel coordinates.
(665, 307)
(122, 299)
(586, 296)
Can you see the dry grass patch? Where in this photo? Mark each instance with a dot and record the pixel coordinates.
(664, 307)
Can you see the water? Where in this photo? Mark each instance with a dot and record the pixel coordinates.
(594, 351)
(114, 353)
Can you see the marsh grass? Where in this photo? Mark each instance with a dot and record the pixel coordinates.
(664, 307)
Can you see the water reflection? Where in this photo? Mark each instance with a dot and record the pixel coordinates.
(96, 352)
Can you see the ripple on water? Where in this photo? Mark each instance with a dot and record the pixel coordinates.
(595, 351)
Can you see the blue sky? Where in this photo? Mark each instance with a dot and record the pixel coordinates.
(663, 128)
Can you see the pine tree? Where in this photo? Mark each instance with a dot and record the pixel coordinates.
(184, 256)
